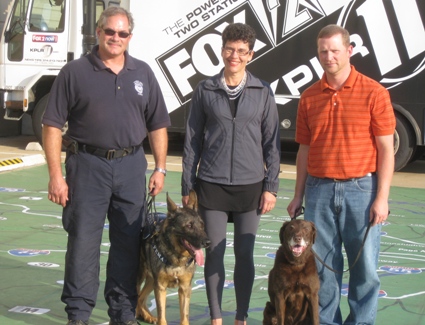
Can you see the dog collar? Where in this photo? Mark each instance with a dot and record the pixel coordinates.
(160, 256)
(163, 259)
(189, 261)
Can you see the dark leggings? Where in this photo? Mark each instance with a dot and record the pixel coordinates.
(245, 229)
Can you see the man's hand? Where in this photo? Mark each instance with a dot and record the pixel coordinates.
(378, 212)
(156, 183)
(185, 200)
(295, 208)
(52, 143)
(58, 191)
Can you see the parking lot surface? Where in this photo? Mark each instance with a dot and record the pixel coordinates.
(33, 245)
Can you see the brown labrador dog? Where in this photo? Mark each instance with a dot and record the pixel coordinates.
(293, 281)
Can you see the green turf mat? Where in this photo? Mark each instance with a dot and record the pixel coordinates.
(33, 244)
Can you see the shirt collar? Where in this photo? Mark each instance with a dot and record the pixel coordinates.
(349, 83)
(98, 64)
(215, 83)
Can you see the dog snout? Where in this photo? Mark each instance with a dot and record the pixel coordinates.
(298, 238)
(206, 243)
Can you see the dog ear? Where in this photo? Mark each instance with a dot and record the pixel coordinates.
(171, 206)
(193, 201)
(282, 230)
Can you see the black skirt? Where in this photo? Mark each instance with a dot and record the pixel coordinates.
(237, 198)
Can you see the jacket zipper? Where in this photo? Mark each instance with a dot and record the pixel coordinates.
(233, 148)
(233, 143)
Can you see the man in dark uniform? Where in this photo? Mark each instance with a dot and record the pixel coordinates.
(111, 101)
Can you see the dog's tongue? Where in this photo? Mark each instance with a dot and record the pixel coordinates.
(199, 253)
(199, 257)
(297, 249)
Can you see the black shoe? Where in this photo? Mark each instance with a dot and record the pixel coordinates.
(129, 322)
(77, 322)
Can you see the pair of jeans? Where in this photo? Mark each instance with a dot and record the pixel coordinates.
(340, 211)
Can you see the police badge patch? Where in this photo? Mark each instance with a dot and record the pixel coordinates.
(138, 85)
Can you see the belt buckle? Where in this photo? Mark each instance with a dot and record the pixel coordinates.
(126, 151)
(110, 154)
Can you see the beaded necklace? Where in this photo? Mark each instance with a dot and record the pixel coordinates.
(235, 92)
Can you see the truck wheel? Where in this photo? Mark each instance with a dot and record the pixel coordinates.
(419, 152)
(404, 143)
(37, 116)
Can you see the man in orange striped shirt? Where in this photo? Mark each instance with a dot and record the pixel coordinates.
(345, 163)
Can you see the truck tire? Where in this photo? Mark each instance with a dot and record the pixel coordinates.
(404, 143)
(419, 153)
(37, 116)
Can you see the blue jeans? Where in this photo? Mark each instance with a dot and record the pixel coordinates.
(340, 211)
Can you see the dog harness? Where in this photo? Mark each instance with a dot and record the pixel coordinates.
(163, 259)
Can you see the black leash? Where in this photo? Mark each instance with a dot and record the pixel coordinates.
(355, 261)
(152, 227)
(151, 210)
(153, 219)
(301, 211)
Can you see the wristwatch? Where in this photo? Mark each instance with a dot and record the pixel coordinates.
(161, 170)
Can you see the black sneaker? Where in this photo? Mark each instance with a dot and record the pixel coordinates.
(77, 322)
(129, 322)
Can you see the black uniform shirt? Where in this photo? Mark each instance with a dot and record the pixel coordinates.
(103, 109)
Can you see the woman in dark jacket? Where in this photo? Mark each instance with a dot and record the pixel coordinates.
(232, 159)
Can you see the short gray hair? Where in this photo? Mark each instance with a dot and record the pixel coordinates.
(115, 11)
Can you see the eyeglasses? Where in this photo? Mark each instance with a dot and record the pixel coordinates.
(111, 32)
(240, 52)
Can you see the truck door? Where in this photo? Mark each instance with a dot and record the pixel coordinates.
(35, 40)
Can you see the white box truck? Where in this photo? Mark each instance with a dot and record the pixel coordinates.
(181, 41)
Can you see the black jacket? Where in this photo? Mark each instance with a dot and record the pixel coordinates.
(232, 151)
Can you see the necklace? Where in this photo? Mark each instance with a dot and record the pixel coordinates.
(235, 92)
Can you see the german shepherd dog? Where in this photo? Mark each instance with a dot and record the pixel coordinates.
(169, 258)
(293, 281)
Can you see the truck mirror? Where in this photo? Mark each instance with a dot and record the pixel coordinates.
(7, 36)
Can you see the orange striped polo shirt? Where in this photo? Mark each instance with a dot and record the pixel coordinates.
(340, 126)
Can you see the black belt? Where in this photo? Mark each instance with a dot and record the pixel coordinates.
(350, 179)
(105, 153)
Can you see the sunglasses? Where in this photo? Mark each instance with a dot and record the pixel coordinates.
(111, 32)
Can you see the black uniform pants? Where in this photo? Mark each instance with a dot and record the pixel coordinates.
(100, 188)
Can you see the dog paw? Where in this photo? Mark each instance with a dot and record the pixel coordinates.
(146, 317)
